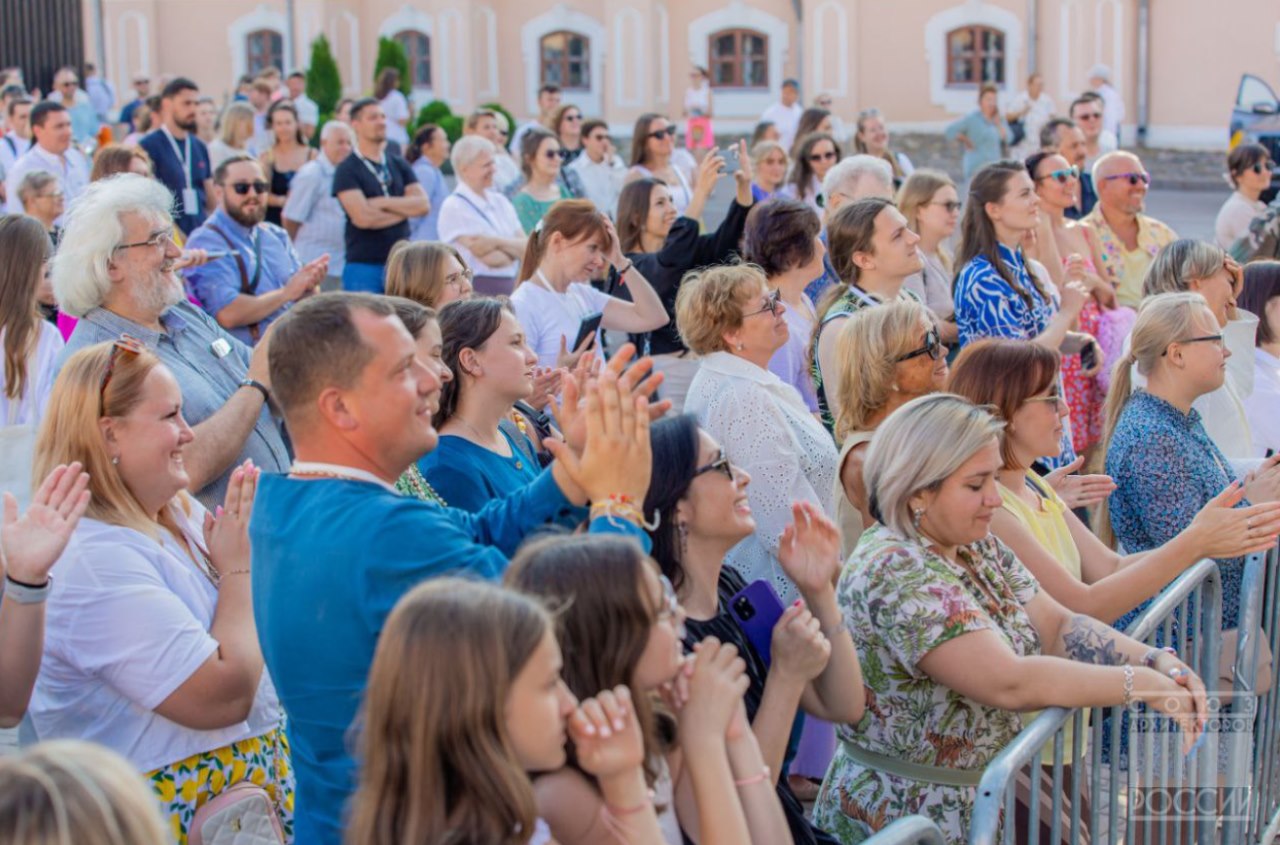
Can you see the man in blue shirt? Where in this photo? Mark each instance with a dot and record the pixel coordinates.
(142, 88)
(246, 291)
(181, 159)
(335, 546)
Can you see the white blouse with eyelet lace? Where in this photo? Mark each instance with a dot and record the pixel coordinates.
(764, 427)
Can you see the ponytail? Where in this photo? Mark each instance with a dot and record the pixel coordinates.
(575, 220)
(1117, 397)
(534, 248)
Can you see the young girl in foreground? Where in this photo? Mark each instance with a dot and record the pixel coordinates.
(619, 623)
(465, 699)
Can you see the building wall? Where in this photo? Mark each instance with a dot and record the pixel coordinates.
(864, 52)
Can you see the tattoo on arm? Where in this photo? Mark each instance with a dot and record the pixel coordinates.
(1089, 641)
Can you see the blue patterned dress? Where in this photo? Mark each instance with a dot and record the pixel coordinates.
(987, 306)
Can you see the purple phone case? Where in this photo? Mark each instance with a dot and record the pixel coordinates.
(767, 610)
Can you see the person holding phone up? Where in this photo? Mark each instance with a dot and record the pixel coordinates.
(560, 311)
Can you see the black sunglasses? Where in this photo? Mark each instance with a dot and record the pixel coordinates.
(1134, 178)
(243, 188)
(932, 347)
(658, 134)
(1261, 167)
(827, 156)
(720, 464)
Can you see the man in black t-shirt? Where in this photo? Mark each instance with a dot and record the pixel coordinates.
(379, 193)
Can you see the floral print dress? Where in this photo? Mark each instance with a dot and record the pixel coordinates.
(900, 600)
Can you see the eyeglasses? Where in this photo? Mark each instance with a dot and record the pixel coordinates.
(458, 279)
(771, 301)
(659, 134)
(1092, 115)
(54, 194)
(125, 343)
(551, 154)
(720, 464)
(70, 83)
(830, 155)
(243, 188)
(1061, 176)
(932, 347)
(1054, 398)
(1261, 167)
(952, 206)
(1215, 339)
(159, 240)
(1134, 178)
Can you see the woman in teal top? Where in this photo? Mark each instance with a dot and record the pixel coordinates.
(484, 453)
(983, 133)
(540, 160)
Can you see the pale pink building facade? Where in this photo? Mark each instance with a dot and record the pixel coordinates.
(912, 58)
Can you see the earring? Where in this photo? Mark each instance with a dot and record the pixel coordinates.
(916, 515)
(741, 347)
(115, 461)
(894, 388)
(683, 531)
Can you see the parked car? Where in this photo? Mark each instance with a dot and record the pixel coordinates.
(1255, 119)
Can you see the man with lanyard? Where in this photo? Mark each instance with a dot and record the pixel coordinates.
(262, 277)
(379, 193)
(51, 151)
(181, 159)
(15, 142)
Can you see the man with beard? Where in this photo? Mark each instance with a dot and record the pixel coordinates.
(379, 193)
(262, 277)
(180, 158)
(115, 271)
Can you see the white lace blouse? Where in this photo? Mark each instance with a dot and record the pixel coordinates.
(766, 429)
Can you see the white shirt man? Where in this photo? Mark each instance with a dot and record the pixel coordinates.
(599, 168)
(308, 111)
(17, 140)
(786, 114)
(52, 152)
(1113, 112)
(313, 216)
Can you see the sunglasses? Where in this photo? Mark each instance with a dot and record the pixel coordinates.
(827, 156)
(1061, 176)
(1134, 178)
(125, 343)
(771, 301)
(1215, 339)
(720, 464)
(932, 347)
(573, 117)
(952, 206)
(659, 134)
(243, 188)
(550, 154)
(1261, 167)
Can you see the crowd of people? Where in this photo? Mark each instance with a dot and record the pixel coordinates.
(349, 502)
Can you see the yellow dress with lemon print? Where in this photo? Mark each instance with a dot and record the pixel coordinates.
(185, 786)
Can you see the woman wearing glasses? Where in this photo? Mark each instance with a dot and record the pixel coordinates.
(1249, 168)
(815, 154)
(566, 125)
(728, 315)
(699, 499)
(189, 704)
(931, 204)
(428, 272)
(653, 141)
(543, 187)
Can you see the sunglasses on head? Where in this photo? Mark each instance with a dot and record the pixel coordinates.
(932, 347)
(659, 134)
(125, 343)
(1134, 178)
(1061, 176)
(243, 188)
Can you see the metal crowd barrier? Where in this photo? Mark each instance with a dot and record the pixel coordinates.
(1253, 772)
(912, 830)
(1123, 791)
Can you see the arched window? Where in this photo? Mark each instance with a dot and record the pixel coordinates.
(264, 48)
(566, 60)
(975, 54)
(417, 46)
(739, 59)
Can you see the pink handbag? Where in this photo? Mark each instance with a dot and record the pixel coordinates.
(242, 814)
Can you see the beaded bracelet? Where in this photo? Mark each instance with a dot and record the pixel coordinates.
(610, 816)
(754, 779)
(1128, 686)
(620, 506)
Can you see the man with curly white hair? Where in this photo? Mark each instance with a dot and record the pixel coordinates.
(115, 271)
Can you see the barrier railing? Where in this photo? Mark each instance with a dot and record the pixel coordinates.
(1152, 767)
(1253, 772)
(912, 830)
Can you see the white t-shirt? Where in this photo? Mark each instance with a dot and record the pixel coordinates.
(787, 119)
(127, 624)
(397, 109)
(28, 408)
(1234, 218)
(1260, 406)
(546, 316)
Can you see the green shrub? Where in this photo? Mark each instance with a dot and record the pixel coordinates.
(392, 54)
(324, 83)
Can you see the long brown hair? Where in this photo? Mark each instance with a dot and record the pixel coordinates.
(640, 136)
(388, 81)
(415, 270)
(575, 220)
(851, 229)
(1003, 373)
(437, 765)
(464, 324)
(978, 233)
(801, 170)
(633, 212)
(603, 618)
(25, 246)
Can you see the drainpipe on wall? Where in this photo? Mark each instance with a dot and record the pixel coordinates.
(100, 38)
(290, 39)
(1144, 70)
(1033, 36)
(798, 7)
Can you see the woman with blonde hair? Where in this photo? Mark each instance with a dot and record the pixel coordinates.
(889, 356)
(235, 131)
(931, 204)
(872, 138)
(68, 791)
(188, 704)
(769, 163)
(428, 272)
(447, 749)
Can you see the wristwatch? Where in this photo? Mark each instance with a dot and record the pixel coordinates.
(258, 386)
